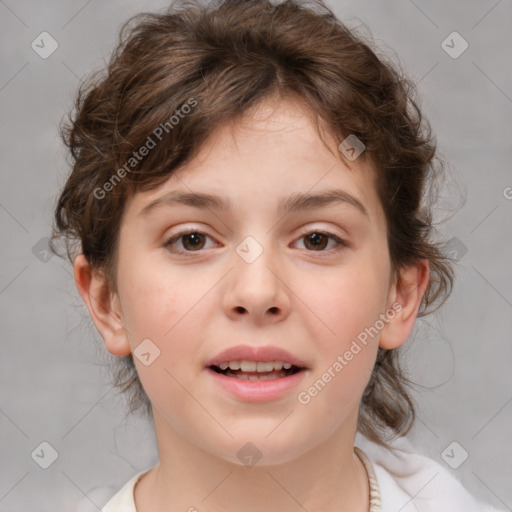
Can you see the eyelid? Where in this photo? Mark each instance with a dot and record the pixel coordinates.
(325, 231)
(179, 234)
(341, 242)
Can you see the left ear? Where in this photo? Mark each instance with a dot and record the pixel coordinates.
(406, 295)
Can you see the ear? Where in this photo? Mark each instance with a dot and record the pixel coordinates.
(103, 306)
(406, 295)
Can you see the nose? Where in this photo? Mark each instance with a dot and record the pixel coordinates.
(257, 286)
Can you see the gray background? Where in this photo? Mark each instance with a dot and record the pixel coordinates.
(53, 387)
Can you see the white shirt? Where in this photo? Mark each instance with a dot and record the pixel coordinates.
(407, 482)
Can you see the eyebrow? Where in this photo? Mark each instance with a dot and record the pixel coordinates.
(293, 203)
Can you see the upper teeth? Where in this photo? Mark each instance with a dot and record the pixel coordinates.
(255, 366)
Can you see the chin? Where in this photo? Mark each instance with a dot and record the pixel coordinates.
(257, 450)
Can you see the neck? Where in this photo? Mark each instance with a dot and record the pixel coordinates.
(328, 478)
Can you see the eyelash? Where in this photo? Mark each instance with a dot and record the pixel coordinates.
(342, 244)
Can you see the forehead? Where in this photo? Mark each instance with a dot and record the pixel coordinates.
(273, 152)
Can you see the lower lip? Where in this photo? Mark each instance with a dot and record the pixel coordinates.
(257, 390)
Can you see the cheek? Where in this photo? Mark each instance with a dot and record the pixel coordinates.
(149, 307)
(163, 307)
(154, 310)
(347, 302)
(346, 353)
(151, 296)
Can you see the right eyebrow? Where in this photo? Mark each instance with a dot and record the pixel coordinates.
(197, 200)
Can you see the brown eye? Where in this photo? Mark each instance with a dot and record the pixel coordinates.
(191, 241)
(316, 241)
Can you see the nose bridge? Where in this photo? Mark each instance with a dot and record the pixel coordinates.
(254, 254)
(255, 285)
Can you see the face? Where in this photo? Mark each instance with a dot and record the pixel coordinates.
(308, 280)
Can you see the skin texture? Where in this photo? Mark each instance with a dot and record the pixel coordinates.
(312, 302)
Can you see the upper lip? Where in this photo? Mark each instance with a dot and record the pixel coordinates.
(248, 353)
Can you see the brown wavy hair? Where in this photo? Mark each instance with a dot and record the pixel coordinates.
(227, 57)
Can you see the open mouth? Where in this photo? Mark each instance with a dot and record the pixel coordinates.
(256, 371)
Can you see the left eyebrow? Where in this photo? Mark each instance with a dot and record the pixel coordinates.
(293, 203)
(299, 201)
